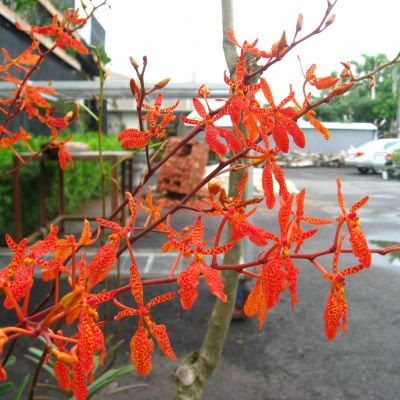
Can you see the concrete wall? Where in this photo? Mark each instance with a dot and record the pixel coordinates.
(342, 135)
(341, 138)
(119, 120)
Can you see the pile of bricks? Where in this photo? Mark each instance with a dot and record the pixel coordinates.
(184, 170)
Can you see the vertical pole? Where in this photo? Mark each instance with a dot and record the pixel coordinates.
(123, 184)
(249, 247)
(123, 176)
(114, 186)
(17, 202)
(42, 194)
(130, 166)
(61, 210)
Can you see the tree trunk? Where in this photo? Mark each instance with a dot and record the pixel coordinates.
(191, 376)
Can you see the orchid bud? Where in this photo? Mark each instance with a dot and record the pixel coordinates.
(134, 63)
(372, 82)
(343, 88)
(299, 23)
(204, 91)
(134, 87)
(283, 42)
(162, 83)
(330, 20)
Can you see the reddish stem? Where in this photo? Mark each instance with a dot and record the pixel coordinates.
(17, 308)
(63, 338)
(217, 238)
(320, 268)
(176, 262)
(73, 267)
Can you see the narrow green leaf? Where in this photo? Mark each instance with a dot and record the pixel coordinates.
(38, 352)
(114, 348)
(89, 111)
(6, 387)
(121, 389)
(108, 377)
(21, 387)
(11, 360)
(46, 367)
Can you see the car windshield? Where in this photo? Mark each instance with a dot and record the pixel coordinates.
(392, 145)
(379, 144)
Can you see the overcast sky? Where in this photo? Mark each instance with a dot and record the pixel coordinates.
(182, 38)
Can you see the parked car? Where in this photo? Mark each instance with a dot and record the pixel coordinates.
(384, 155)
(363, 156)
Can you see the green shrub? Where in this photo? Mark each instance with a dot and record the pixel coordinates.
(80, 184)
(392, 167)
(396, 157)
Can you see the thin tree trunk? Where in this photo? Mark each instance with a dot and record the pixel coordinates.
(191, 376)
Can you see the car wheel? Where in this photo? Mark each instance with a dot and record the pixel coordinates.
(363, 170)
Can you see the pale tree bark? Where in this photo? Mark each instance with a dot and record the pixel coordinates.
(191, 376)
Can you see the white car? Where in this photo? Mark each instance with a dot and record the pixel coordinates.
(382, 156)
(363, 156)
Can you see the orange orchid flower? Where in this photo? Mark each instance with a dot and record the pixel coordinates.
(357, 239)
(17, 277)
(241, 98)
(212, 131)
(13, 137)
(64, 38)
(271, 169)
(62, 370)
(248, 47)
(320, 83)
(300, 217)
(133, 138)
(279, 271)
(319, 127)
(105, 258)
(234, 210)
(26, 58)
(281, 120)
(151, 209)
(335, 314)
(142, 346)
(192, 245)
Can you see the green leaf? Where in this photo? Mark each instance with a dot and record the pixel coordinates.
(11, 360)
(108, 377)
(36, 360)
(110, 352)
(21, 387)
(114, 348)
(121, 389)
(6, 387)
(38, 352)
(89, 111)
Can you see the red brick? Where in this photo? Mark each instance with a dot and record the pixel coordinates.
(184, 170)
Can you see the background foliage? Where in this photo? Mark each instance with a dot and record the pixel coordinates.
(360, 105)
(80, 184)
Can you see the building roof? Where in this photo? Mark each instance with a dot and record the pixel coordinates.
(348, 126)
(303, 124)
(118, 89)
(12, 17)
